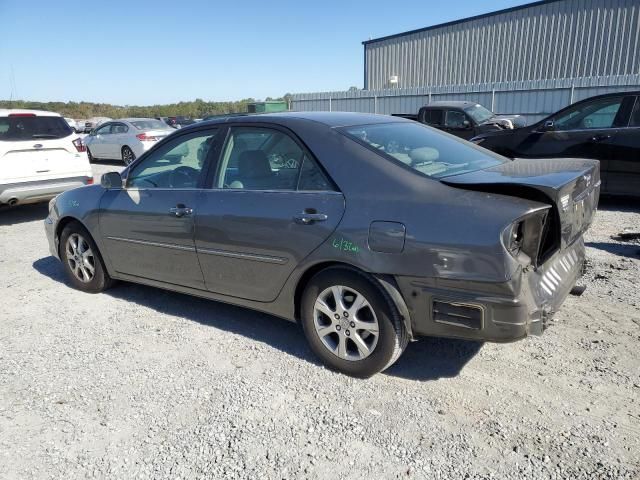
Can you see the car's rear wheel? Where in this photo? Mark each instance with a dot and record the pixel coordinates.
(82, 261)
(127, 155)
(351, 323)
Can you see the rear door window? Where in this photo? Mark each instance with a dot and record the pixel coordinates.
(119, 128)
(257, 158)
(21, 128)
(433, 117)
(600, 113)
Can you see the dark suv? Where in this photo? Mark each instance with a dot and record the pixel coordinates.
(605, 128)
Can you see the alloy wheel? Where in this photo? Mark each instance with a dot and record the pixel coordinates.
(345, 322)
(127, 156)
(80, 258)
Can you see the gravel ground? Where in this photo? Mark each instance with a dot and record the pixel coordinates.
(142, 383)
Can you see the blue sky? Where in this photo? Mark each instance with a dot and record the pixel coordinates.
(141, 53)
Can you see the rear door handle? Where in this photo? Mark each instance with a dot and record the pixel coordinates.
(310, 218)
(180, 210)
(600, 138)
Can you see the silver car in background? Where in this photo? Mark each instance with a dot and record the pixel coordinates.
(126, 138)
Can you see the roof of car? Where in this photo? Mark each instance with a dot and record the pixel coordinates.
(135, 119)
(41, 113)
(451, 103)
(330, 119)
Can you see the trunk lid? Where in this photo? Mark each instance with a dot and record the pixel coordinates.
(571, 186)
(157, 133)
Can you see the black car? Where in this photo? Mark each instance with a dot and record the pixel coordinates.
(605, 128)
(465, 119)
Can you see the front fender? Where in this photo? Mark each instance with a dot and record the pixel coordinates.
(81, 205)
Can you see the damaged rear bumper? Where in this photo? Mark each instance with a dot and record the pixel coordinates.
(496, 312)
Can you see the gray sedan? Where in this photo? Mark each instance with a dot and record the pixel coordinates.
(368, 230)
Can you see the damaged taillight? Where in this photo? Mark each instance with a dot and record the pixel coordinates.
(522, 239)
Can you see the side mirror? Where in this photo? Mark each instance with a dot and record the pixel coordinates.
(466, 124)
(548, 126)
(111, 180)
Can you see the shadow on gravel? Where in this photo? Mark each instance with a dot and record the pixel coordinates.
(23, 213)
(432, 358)
(427, 359)
(620, 204)
(621, 249)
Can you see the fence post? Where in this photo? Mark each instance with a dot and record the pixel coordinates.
(375, 104)
(493, 99)
(330, 103)
(572, 91)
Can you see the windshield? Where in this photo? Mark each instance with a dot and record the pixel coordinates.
(17, 128)
(479, 113)
(149, 125)
(426, 150)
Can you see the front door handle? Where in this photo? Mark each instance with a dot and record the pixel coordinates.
(180, 210)
(308, 218)
(600, 138)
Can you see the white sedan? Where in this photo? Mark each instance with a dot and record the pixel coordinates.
(125, 139)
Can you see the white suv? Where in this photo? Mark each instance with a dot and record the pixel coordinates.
(40, 157)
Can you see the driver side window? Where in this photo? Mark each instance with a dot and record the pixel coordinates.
(454, 119)
(104, 130)
(177, 164)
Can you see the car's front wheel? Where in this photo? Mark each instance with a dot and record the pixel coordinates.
(351, 323)
(82, 261)
(127, 155)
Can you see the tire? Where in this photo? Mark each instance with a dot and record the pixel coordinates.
(127, 155)
(326, 334)
(85, 272)
(89, 156)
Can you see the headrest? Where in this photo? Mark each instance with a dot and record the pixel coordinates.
(254, 164)
(424, 155)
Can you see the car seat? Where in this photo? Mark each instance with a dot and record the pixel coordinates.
(254, 170)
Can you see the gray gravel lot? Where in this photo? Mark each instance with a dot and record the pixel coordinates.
(143, 383)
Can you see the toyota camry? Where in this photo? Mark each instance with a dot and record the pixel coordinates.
(368, 230)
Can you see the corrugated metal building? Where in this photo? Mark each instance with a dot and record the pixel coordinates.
(542, 40)
(531, 60)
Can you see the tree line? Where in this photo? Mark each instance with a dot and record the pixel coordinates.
(83, 110)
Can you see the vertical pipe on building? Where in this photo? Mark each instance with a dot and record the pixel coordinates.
(375, 104)
(330, 103)
(493, 99)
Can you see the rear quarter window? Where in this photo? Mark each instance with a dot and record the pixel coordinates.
(14, 129)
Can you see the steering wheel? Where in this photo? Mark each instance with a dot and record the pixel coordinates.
(183, 177)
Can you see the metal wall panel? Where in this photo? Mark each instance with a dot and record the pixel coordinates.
(560, 39)
(532, 99)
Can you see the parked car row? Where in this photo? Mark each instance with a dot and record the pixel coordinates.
(604, 128)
